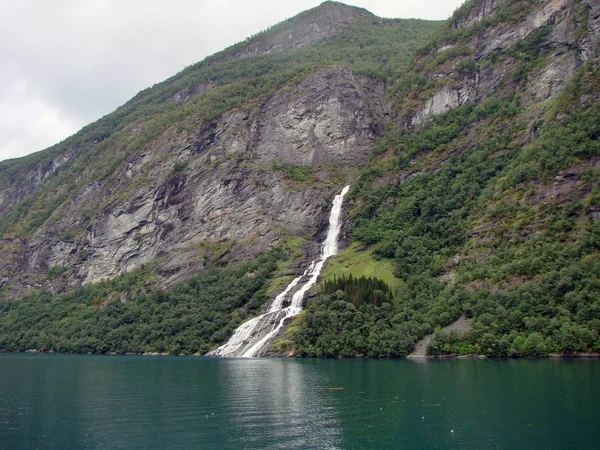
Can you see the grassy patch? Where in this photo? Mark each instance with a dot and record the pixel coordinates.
(301, 174)
(359, 262)
(278, 284)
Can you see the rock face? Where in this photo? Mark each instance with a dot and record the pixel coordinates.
(484, 8)
(32, 180)
(442, 101)
(331, 116)
(225, 190)
(566, 32)
(186, 196)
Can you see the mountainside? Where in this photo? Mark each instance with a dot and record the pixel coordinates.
(242, 148)
(472, 151)
(485, 195)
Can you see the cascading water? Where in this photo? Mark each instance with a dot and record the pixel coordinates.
(253, 337)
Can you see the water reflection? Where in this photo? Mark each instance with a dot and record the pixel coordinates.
(59, 401)
(279, 404)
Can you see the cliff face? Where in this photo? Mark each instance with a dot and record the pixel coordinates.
(481, 62)
(331, 116)
(234, 185)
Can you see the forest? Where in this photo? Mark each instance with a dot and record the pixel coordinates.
(113, 317)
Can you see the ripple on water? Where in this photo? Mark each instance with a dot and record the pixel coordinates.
(58, 401)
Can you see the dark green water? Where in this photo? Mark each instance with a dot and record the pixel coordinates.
(63, 401)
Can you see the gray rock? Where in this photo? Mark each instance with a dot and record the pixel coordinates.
(566, 46)
(226, 192)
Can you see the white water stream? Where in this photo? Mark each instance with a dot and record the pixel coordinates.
(253, 337)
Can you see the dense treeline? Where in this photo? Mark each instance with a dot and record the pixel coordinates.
(110, 318)
(331, 326)
(359, 290)
(539, 290)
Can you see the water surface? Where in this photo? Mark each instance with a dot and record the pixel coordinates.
(68, 401)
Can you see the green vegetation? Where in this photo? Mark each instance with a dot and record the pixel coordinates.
(300, 174)
(358, 261)
(179, 166)
(490, 210)
(291, 248)
(332, 326)
(359, 290)
(476, 234)
(115, 317)
(55, 272)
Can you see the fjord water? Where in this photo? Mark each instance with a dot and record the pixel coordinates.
(68, 401)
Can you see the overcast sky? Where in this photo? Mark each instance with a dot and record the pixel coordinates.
(66, 63)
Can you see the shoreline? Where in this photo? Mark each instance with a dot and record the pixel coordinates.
(408, 358)
(474, 356)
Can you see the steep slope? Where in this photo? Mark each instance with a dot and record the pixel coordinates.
(475, 174)
(243, 148)
(165, 224)
(485, 196)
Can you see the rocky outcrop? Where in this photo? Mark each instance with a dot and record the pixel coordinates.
(186, 95)
(483, 8)
(461, 326)
(20, 184)
(447, 98)
(182, 198)
(331, 116)
(566, 32)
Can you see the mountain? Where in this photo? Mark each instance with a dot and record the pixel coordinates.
(201, 157)
(471, 147)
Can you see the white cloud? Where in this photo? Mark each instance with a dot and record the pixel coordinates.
(67, 63)
(28, 122)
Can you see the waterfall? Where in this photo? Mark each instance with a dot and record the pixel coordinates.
(253, 337)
